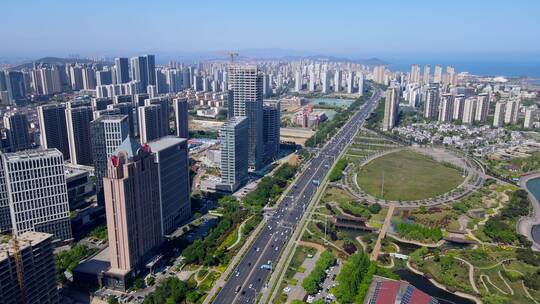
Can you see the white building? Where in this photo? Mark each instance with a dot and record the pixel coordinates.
(498, 118)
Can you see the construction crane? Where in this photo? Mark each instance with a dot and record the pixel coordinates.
(232, 55)
(19, 268)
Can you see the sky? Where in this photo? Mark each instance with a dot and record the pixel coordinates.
(355, 29)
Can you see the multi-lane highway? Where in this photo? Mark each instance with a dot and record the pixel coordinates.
(249, 277)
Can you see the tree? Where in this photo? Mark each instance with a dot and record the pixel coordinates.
(112, 300)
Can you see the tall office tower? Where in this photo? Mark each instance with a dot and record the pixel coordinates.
(446, 108)
(38, 278)
(530, 114)
(37, 196)
(451, 77)
(101, 103)
(378, 74)
(271, 130)
(325, 82)
(298, 81)
(107, 112)
(267, 86)
(337, 81)
(437, 76)
(234, 153)
(181, 116)
(122, 70)
(78, 133)
(16, 125)
(312, 80)
(149, 122)
(361, 84)
(498, 118)
(76, 77)
(415, 74)
(390, 108)
(482, 107)
(171, 157)
(459, 102)
(511, 112)
(427, 74)
(469, 110)
(431, 106)
(103, 78)
(108, 132)
(246, 86)
(139, 71)
(164, 110)
(53, 128)
(15, 86)
(126, 108)
(139, 99)
(132, 208)
(350, 82)
(161, 82)
(151, 69)
(89, 78)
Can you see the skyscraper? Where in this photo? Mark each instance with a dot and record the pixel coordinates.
(271, 131)
(133, 211)
(108, 132)
(32, 205)
(325, 82)
(298, 81)
(53, 128)
(164, 110)
(15, 86)
(246, 85)
(350, 82)
(122, 70)
(171, 157)
(38, 277)
(16, 125)
(361, 84)
(78, 132)
(149, 122)
(530, 115)
(234, 153)
(312, 80)
(103, 77)
(126, 108)
(337, 81)
(427, 74)
(181, 115)
(459, 103)
(390, 108)
(437, 76)
(511, 112)
(139, 71)
(89, 78)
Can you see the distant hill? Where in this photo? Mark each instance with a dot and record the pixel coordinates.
(51, 60)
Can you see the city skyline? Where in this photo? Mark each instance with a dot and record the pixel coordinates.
(339, 29)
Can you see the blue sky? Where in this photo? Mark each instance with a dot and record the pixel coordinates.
(345, 28)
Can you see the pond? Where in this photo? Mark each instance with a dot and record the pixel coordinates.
(426, 286)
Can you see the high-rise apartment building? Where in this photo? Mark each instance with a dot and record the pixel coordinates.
(108, 132)
(325, 82)
(530, 115)
(126, 108)
(143, 70)
(511, 112)
(15, 86)
(350, 82)
(164, 110)
(246, 85)
(133, 213)
(446, 108)
(437, 76)
(171, 157)
(53, 128)
(390, 108)
(482, 107)
(431, 105)
(337, 81)
(234, 153)
(312, 80)
(415, 74)
(498, 117)
(36, 192)
(78, 132)
(427, 74)
(39, 275)
(361, 84)
(16, 125)
(181, 116)
(298, 81)
(459, 102)
(469, 110)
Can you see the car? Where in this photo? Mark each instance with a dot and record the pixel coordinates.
(250, 286)
(237, 289)
(257, 249)
(237, 273)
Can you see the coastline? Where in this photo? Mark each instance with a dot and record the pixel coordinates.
(525, 224)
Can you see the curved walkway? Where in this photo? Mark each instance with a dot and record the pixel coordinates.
(239, 236)
(525, 224)
(429, 245)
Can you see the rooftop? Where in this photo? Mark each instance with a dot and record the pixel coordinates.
(25, 239)
(165, 142)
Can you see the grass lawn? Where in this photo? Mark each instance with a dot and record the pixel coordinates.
(407, 176)
(334, 194)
